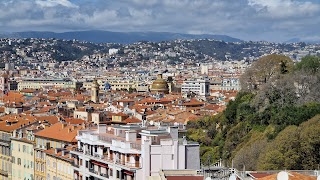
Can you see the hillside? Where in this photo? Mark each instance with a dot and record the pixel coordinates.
(116, 37)
(274, 121)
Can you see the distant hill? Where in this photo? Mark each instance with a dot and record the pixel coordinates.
(116, 37)
(297, 40)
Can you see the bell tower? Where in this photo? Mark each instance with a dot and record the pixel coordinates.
(95, 91)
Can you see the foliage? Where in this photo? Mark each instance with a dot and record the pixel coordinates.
(268, 127)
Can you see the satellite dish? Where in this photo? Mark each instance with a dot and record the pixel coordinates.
(208, 178)
(283, 176)
(233, 177)
(151, 123)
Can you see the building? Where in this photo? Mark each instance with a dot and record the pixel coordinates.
(160, 85)
(59, 164)
(95, 91)
(230, 84)
(10, 126)
(22, 158)
(58, 135)
(42, 83)
(131, 152)
(198, 87)
(4, 82)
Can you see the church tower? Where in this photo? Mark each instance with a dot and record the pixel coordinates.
(95, 91)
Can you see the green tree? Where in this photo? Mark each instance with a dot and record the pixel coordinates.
(310, 64)
(283, 152)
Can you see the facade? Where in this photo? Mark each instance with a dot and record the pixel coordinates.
(11, 126)
(58, 164)
(22, 159)
(131, 152)
(230, 84)
(40, 83)
(58, 135)
(4, 84)
(198, 87)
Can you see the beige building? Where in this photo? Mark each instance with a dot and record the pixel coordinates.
(45, 83)
(58, 135)
(22, 159)
(115, 84)
(58, 164)
(10, 125)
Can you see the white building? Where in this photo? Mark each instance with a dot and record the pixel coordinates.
(131, 152)
(113, 51)
(230, 84)
(198, 87)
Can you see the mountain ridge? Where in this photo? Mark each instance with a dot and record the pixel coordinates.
(99, 36)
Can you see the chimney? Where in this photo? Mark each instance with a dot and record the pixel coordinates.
(102, 128)
(63, 125)
(131, 135)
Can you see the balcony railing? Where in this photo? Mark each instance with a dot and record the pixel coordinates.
(4, 173)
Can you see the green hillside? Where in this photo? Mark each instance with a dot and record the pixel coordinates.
(274, 122)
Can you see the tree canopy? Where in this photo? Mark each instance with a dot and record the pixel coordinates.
(273, 126)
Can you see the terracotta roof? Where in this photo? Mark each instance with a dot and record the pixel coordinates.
(120, 114)
(74, 121)
(292, 176)
(17, 122)
(132, 120)
(61, 132)
(50, 119)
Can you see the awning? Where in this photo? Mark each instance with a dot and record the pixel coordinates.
(99, 163)
(128, 172)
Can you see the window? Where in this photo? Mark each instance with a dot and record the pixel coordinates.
(19, 161)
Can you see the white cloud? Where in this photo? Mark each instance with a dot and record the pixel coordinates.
(53, 3)
(248, 19)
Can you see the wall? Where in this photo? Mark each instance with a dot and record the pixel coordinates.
(23, 160)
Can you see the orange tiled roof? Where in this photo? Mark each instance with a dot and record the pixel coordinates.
(292, 176)
(132, 120)
(61, 132)
(16, 122)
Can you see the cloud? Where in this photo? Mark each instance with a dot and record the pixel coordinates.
(248, 19)
(53, 3)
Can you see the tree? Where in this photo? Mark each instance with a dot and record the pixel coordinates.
(310, 64)
(266, 69)
(310, 143)
(283, 152)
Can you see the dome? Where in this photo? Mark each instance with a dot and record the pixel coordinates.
(160, 85)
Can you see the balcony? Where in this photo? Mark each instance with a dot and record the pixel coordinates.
(3, 173)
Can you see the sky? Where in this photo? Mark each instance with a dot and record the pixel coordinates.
(270, 20)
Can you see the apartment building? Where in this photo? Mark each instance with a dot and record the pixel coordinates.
(58, 135)
(199, 87)
(230, 84)
(58, 164)
(22, 158)
(10, 125)
(131, 152)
